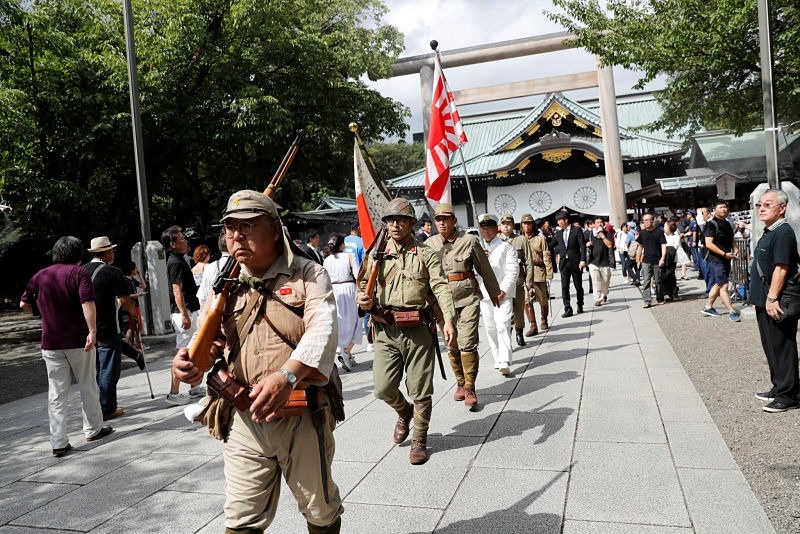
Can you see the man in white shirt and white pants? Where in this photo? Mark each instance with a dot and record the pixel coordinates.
(497, 320)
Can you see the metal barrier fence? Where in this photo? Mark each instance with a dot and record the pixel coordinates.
(739, 281)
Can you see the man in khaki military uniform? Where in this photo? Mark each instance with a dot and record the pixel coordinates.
(542, 272)
(290, 294)
(408, 273)
(525, 276)
(461, 255)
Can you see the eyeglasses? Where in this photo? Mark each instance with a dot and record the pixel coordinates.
(243, 228)
(397, 220)
(767, 205)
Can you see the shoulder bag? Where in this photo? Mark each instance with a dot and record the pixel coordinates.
(789, 299)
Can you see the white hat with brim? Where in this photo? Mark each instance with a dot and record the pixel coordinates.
(101, 244)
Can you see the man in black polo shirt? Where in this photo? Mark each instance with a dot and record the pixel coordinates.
(775, 262)
(183, 303)
(650, 258)
(720, 249)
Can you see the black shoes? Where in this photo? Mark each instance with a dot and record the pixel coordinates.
(520, 338)
(58, 453)
(580, 308)
(778, 406)
(105, 431)
(567, 313)
(767, 396)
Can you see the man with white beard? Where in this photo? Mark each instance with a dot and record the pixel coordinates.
(497, 320)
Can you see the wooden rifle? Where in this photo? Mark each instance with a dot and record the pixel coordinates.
(201, 348)
(377, 259)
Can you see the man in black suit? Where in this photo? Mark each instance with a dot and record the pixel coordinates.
(425, 230)
(571, 254)
(311, 247)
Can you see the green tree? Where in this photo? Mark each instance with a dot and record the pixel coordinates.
(224, 86)
(708, 51)
(397, 159)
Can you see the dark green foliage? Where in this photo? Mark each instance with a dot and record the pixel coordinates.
(708, 52)
(224, 86)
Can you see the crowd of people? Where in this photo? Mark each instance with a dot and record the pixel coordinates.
(297, 309)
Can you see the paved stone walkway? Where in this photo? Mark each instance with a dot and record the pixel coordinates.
(599, 430)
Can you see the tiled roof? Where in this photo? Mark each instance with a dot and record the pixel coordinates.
(491, 136)
(337, 203)
(720, 146)
(637, 110)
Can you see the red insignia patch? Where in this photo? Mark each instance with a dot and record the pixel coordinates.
(285, 291)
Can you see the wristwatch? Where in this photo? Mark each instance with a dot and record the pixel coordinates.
(290, 378)
(772, 299)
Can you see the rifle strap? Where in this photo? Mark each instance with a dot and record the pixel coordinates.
(244, 325)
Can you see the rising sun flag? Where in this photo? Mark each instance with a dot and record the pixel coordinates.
(371, 200)
(445, 136)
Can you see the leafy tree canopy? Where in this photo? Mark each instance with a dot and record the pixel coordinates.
(708, 51)
(397, 159)
(224, 86)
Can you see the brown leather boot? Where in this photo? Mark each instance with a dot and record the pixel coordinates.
(532, 331)
(419, 452)
(545, 314)
(401, 427)
(470, 398)
(459, 394)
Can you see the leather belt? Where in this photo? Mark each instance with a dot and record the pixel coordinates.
(457, 277)
(345, 282)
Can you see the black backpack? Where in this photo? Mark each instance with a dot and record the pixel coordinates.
(701, 243)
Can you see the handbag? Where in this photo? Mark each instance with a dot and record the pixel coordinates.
(789, 299)
(216, 415)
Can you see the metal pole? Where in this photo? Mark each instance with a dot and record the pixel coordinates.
(136, 121)
(469, 188)
(770, 124)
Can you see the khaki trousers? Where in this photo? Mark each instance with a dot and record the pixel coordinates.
(256, 454)
(519, 307)
(399, 351)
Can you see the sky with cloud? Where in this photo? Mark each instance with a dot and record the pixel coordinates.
(462, 23)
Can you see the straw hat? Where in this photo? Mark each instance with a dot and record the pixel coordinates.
(101, 244)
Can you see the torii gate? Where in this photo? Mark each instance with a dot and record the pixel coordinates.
(602, 78)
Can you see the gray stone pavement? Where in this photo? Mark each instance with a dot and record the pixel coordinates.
(599, 430)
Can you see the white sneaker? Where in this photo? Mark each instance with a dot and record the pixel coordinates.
(351, 361)
(178, 399)
(370, 347)
(197, 392)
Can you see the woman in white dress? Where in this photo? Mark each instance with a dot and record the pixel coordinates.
(342, 270)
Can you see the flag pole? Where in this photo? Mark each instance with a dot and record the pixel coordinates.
(469, 187)
(354, 128)
(435, 46)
